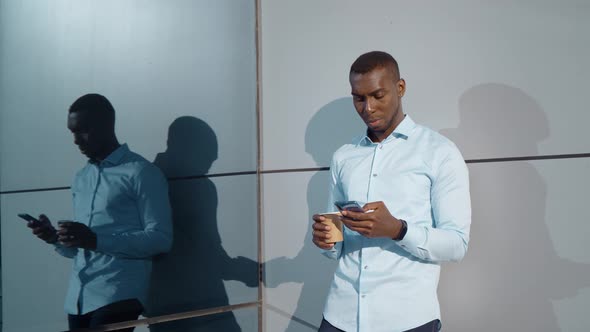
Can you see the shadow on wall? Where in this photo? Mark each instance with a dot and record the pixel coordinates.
(191, 275)
(511, 273)
(334, 125)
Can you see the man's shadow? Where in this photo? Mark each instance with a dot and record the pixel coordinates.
(190, 276)
(511, 273)
(334, 125)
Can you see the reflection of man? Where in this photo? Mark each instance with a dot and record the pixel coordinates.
(122, 218)
(418, 186)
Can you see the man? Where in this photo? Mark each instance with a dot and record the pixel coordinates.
(122, 218)
(417, 184)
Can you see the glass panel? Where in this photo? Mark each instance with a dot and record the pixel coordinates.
(181, 76)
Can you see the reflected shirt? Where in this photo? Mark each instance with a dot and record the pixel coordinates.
(124, 200)
(385, 285)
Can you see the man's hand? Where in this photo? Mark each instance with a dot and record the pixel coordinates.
(321, 233)
(43, 229)
(378, 223)
(76, 235)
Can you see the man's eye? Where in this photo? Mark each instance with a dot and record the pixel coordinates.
(358, 98)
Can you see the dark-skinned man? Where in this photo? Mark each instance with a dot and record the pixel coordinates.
(121, 219)
(418, 215)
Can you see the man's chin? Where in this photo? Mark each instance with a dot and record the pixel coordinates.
(86, 154)
(375, 127)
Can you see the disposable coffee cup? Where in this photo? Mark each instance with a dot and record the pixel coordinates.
(333, 220)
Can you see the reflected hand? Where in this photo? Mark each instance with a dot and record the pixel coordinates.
(378, 223)
(76, 235)
(43, 229)
(321, 233)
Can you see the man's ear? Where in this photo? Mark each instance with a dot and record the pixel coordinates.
(401, 87)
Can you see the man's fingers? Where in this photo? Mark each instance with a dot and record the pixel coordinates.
(319, 235)
(321, 227)
(373, 206)
(323, 245)
(321, 232)
(63, 231)
(69, 241)
(39, 228)
(355, 215)
(72, 228)
(318, 218)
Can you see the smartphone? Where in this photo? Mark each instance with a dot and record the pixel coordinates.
(28, 217)
(353, 206)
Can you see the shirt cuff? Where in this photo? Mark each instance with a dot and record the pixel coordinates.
(64, 251)
(415, 237)
(104, 243)
(334, 252)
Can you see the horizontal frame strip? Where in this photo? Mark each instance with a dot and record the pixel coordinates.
(545, 157)
(190, 177)
(318, 169)
(291, 317)
(172, 317)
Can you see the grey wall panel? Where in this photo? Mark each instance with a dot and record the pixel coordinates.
(297, 276)
(156, 61)
(485, 67)
(527, 268)
(34, 277)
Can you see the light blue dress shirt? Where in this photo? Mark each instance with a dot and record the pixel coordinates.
(124, 200)
(386, 285)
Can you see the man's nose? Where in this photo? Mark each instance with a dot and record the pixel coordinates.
(368, 105)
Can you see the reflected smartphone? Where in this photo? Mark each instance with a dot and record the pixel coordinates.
(353, 206)
(28, 217)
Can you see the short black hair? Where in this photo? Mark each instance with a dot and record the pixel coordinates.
(98, 105)
(373, 60)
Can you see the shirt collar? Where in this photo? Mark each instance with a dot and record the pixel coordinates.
(403, 130)
(116, 156)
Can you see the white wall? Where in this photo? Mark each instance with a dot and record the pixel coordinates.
(183, 61)
(501, 79)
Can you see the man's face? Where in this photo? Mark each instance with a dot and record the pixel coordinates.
(377, 99)
(87, 136)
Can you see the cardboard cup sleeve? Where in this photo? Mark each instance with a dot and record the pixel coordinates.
(333, 220)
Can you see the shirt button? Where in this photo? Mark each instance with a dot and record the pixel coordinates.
(366, 267)
(374, 174)
(363, 296)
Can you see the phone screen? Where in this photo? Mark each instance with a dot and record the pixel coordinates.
(353, 206)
